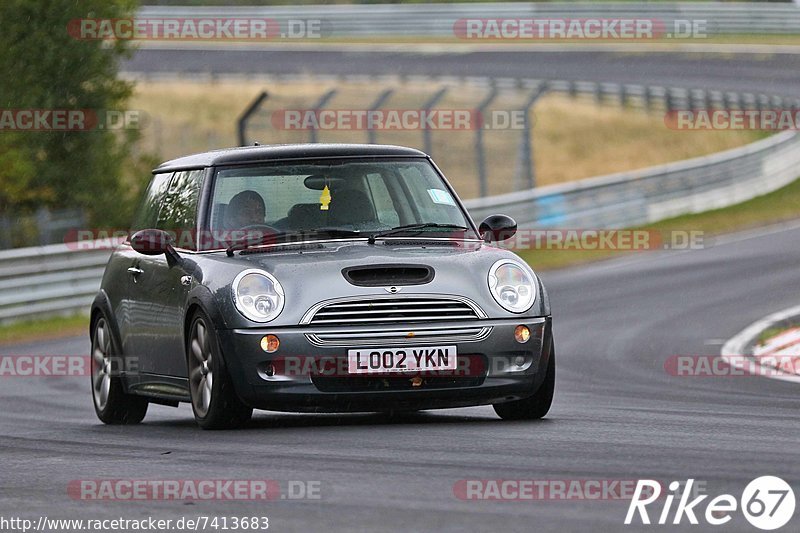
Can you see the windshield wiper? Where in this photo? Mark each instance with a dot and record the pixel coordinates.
(271, 238)
(413, 228)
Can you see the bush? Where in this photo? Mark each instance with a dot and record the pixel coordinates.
(45, 68)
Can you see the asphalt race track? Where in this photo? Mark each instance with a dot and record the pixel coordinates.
(617, 416)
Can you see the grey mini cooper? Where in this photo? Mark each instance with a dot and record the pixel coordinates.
(316, 278)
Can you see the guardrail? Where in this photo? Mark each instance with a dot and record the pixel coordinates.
(438, 20)
(49, 280)
(648, 195)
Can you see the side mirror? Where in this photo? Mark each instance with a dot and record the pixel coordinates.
(497, 228)
(153, 242)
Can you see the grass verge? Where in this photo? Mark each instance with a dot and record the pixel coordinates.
(774, 331)
(43, 329)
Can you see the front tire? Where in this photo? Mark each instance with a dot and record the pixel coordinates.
(111, 403)
(214, 400)
(536, 406)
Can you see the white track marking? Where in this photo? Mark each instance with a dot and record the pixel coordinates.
(734, 348)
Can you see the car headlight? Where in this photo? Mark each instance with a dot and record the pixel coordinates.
(512, 286)
(258, 295)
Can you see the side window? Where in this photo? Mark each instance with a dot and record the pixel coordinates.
(178, 211)
(147, 215)
(387, 214)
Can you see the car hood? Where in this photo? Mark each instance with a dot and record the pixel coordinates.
(311, 273)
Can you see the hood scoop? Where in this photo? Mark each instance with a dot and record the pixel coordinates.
(388, 275)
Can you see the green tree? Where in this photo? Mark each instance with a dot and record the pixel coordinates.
(44, 67)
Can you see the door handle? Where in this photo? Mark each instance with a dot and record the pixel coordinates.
(135, 271)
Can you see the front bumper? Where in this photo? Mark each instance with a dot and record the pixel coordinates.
(308, 375)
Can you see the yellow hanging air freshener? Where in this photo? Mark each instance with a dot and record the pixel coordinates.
(325, 199)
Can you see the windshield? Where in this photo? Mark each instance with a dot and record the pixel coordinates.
(335, 199)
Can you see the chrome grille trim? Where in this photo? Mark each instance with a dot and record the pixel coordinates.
(397, 337)
(385, 308)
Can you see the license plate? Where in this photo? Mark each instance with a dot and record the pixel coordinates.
(382, 360)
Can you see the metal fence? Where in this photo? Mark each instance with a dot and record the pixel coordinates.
(473, 175)
(438, 20)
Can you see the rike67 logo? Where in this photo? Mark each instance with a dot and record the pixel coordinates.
(767, 502)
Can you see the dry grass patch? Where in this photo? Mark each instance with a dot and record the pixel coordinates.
(573, 138)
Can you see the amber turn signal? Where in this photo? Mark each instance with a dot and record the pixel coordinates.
(270, 343)
(522, 334)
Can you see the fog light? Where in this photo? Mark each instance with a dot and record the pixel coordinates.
(522, 334)
(270, 343)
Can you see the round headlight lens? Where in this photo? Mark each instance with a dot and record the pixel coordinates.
(258, 295)
(512, 286)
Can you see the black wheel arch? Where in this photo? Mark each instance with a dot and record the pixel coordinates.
(200, 298)
(101, 306)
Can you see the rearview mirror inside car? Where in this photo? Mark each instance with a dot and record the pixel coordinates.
(317, 182)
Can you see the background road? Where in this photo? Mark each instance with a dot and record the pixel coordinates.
(617, 415)
(771, 73)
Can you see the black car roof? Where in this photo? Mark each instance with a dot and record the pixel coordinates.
(265, 153)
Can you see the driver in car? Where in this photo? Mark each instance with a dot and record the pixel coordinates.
(245, 209)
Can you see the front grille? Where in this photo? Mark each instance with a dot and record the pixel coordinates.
(392, 309)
